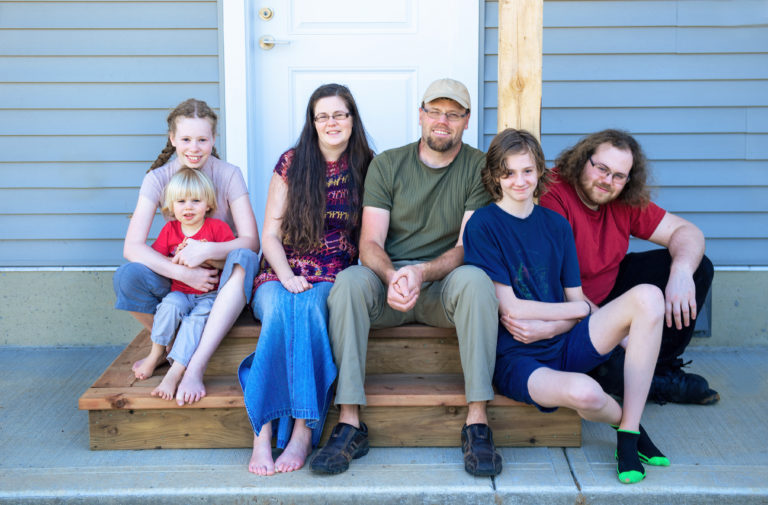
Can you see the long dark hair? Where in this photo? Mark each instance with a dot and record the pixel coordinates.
(572, 161)
(303, 223)
(189, 108)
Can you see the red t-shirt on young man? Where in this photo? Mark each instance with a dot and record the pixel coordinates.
(213, 230)
(602, 235)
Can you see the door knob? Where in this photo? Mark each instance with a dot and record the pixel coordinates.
(267, 42)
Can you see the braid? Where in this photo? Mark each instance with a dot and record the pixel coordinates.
(214, 153)
(164, 156)
(188, 108)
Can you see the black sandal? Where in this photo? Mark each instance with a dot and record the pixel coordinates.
(345, 444)
(480, 456)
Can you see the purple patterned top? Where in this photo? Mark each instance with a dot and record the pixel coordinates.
(337, 250)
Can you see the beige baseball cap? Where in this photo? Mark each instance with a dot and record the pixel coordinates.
(448, 88)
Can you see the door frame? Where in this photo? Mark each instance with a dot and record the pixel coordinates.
(233, 47)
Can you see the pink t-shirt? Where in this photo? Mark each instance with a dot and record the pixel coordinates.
(602, 235)
(227, 181)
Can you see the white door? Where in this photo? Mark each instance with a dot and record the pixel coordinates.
(386, 51)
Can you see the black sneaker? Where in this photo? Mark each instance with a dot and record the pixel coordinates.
(345, 444)
(677, 386)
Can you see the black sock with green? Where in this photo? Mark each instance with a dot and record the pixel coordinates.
(648, 452)
(629, 468)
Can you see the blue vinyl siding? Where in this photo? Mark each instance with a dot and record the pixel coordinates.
(85, 87)
(688, 78)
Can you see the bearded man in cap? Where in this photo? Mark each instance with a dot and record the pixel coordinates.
(417, 200)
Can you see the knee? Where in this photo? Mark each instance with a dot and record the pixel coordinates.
(649, 300)
(242, 257)
(351, 285)
(129, 274)
(587, 395)
(704, 274)
(474, 284)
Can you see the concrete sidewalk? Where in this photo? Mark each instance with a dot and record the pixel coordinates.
(719, 453)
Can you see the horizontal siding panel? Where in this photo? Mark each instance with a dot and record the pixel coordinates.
(730, 199)
(730, 252)
(719, 13)
(110, 69)
(731, 225)
(151, 95)
(599, 13)
(757, 147)
(70, 227)
(609, 40)
(757, 119)
(84, 148)
(109, 42)
(647, 120)
(68, 253)
(719, 39)
(642, 67)
(710, 173)
(80, 174)
(83, 122)
(70, 201)
(670, 147)
(48, 15)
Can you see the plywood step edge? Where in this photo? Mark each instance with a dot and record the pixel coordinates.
(401, 390)
(247, 327)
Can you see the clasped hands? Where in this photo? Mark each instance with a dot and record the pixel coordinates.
(202, 273)
(404, 287)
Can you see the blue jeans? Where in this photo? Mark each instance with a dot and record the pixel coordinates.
(289, 375)
(139, 289)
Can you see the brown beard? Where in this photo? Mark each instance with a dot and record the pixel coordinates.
(439, 146)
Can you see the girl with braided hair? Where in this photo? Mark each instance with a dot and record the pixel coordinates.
(141, 284)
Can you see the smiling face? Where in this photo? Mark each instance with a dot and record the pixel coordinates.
(190, 212)
(440, 134)
(597, 184)
(521, 178)
(332, 135)
(193, 139)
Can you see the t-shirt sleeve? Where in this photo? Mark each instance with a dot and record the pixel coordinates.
(478, 196)
(236, 185)
(161, 244)
(378, 193)
(645, 220)
(571, 275)
(283, 164)
(152, 187)
(482, 250)
(220, 231)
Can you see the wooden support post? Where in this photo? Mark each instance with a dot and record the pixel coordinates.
(520, 59)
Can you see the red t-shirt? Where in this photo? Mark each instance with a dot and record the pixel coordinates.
(602, 235)
(171, 236)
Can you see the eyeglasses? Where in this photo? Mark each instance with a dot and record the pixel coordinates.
(337, 116)
(615, 177)
(437, 114)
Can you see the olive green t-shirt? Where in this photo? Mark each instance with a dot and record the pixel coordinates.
(426, 205)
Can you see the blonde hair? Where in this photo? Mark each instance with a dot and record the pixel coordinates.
(188, 182)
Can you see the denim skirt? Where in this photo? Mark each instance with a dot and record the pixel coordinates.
(289, 375)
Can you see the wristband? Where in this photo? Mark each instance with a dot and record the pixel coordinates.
(589, 307)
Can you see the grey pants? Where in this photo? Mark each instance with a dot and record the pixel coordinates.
(464, 299)
(187, 312)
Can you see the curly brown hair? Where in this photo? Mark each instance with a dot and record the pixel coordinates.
(505, 143)
(571, 162)
(189, 108)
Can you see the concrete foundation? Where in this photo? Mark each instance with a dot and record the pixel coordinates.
(76, 308)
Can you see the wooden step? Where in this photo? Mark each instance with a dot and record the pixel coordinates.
(425, 409)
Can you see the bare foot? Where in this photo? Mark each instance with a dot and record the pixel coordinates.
(299, 446)
(144, 368)
(261, 459)
(167, 387)
(191, 389)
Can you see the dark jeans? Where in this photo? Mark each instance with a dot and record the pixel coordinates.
(652, 267)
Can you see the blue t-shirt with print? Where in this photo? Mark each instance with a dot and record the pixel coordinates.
(535, 255)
